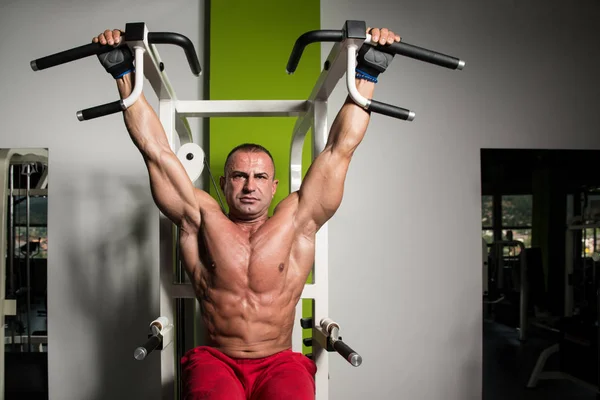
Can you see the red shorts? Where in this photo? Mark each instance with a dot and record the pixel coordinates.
(210, 374)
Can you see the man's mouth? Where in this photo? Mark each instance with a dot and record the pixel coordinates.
(246, 199)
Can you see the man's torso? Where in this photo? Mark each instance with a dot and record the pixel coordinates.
(249, 282)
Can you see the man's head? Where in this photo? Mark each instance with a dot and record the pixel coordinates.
(249, 183)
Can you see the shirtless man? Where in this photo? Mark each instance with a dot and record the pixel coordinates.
(248, 270)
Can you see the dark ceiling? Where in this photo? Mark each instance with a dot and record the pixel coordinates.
(512, 171)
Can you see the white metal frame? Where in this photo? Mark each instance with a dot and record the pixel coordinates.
(8, 307)
(311, 113)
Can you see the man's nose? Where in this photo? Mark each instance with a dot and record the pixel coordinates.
(250, 185)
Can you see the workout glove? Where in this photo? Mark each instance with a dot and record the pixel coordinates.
(117, 62)
(372, 62)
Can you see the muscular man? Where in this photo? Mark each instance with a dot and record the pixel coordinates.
(248, 270)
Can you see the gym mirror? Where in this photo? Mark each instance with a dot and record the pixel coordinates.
(23, 271)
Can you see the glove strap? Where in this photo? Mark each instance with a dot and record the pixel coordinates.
(363, 75)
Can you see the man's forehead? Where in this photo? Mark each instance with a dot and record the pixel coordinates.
(250, 157)
(253, 159)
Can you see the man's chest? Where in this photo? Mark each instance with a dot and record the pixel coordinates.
(265, 261)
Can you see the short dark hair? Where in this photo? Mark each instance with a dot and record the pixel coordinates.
(251, 148)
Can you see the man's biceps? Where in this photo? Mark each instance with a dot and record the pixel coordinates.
(204, 200)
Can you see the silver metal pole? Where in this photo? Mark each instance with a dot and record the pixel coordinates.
(11, 243)
(28, 266)
(524, 294)
(524, 285)
(583, 269)
(11, 237)
(597, 287)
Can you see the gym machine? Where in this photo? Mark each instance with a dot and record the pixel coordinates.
(23, 340)
(507, 284)
(310, 113)
(578, 330)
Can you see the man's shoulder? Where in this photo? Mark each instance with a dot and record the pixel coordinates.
(289, 203)
(205, 200)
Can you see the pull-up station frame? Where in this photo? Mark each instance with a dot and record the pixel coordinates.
(310, 113)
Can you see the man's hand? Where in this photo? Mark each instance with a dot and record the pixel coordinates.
(118, 62)
(372, 62)
(383, 36)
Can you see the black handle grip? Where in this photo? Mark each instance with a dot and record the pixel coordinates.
(345, 351)
(69, 55)
(181, 41)
(390, 110)
(421, 54)
(101, 111)
(96, 48)
(152, 343)
(308, 38)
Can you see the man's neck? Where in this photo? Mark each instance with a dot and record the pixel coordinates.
(249, 225)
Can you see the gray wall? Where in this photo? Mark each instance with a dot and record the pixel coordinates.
(103, 229)
(410, 300)
(406, 281)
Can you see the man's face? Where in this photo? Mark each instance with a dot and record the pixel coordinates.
(248, 184)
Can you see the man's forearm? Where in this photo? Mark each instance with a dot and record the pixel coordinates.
(141, 121)
(350, 125)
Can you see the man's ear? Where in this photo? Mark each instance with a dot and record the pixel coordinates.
(275, 183)
(222, 183)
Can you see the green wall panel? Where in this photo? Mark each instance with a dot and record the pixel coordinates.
(250, 42)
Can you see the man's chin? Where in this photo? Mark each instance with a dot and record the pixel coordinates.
(248, 212)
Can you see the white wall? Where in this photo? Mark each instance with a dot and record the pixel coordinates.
(406, 282)
(103, 229)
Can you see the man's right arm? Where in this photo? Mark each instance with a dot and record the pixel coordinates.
(172, 190)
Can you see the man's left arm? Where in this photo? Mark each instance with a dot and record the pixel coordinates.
(321, 192)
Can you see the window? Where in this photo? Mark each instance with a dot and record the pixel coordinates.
(515, 216)
(488, 235)
(590, 237)
(38, 230)
(589, 240)
(516, 211)
(487, 218)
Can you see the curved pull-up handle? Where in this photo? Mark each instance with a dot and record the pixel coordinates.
(308, 38)
(401, 48)
(137, 34)
(181, 41)
(357, 30)
(91, 49)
